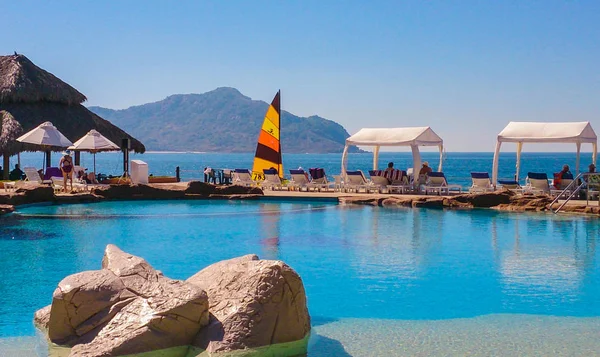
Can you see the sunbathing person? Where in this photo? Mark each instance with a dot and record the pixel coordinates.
(425, 169)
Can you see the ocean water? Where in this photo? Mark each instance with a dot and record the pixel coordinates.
(379, 281)
(457, 166)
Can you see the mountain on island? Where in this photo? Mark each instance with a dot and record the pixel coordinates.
(222, 120)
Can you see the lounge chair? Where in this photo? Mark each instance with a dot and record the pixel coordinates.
(399, 182)
(32, 175)
(357, 181)
(560, 184)
(511, 185)
(10, 186)
(537, 183)
(58, 184)
(242, 177)
(318, 179)
(300, 179)
(592, 186)
(481, 182)
(272, 179)
(378, 180)
(52, 172)
(437, 183)
(338, 184)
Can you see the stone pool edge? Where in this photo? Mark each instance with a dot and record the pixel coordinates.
(503, 200)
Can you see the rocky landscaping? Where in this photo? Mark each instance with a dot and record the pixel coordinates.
(501, 200)
(128, 307)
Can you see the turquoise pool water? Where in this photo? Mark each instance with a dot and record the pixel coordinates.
(377, 279)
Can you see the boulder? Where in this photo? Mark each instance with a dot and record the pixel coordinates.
(252, 303)
(82, 302)
(487, 199)
(41, 319)
(28, 194)
(127, 307)
(4, 209)
(200, 188)
(238, 190)
(428, 202)
(137, 192)
(220, 191)
(170, 317)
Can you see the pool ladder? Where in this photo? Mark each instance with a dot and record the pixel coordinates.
(583, 177)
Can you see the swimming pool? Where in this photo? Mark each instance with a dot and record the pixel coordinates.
(376, 278)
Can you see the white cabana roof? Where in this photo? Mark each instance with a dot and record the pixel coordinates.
(530, 132)
(420, 136)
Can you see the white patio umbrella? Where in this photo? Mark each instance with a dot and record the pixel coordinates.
(94, 142)
(45, 135)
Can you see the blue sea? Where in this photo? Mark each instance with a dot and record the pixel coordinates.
(457, 166)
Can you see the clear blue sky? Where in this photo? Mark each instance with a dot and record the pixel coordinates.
(465, 68)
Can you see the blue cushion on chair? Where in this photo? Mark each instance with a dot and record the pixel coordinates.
(537, 175)
(242, 171)
(480, 175)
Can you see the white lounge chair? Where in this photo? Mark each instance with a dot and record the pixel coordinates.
(537, 183)
(379, 181)
(399, 182)
(318, 179)
(560, 189)
(272, 180)
(437, 183)
(481, 182)
(58, 184)
(32, 175)
(338, 184)
(356, 181)
(243, 177)
(299, 180)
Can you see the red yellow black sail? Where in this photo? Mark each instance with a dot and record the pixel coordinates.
(268, 149)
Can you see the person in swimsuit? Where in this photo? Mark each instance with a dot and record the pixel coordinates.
(66, 166)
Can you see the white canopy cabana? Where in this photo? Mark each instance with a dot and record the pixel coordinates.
(529, 132)
(378, 137)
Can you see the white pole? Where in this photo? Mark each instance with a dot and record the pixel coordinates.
(495, 163)
(519, 148)
(577, 159)
(416, 163)
(441, 157)
(376, 157)
(594, 152)
(344, 162)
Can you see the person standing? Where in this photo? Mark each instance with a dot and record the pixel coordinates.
(66, 166)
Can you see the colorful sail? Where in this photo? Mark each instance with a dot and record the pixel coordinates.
(268, 150)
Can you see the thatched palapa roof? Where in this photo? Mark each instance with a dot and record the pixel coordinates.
(31, 96)
(10, 129)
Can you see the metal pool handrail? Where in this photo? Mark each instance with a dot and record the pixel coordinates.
(570, 186)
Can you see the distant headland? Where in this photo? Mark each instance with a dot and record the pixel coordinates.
(222, 120)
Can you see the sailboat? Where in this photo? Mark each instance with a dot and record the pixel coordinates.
(268, 149)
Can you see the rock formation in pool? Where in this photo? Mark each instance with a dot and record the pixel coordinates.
(128, 307)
